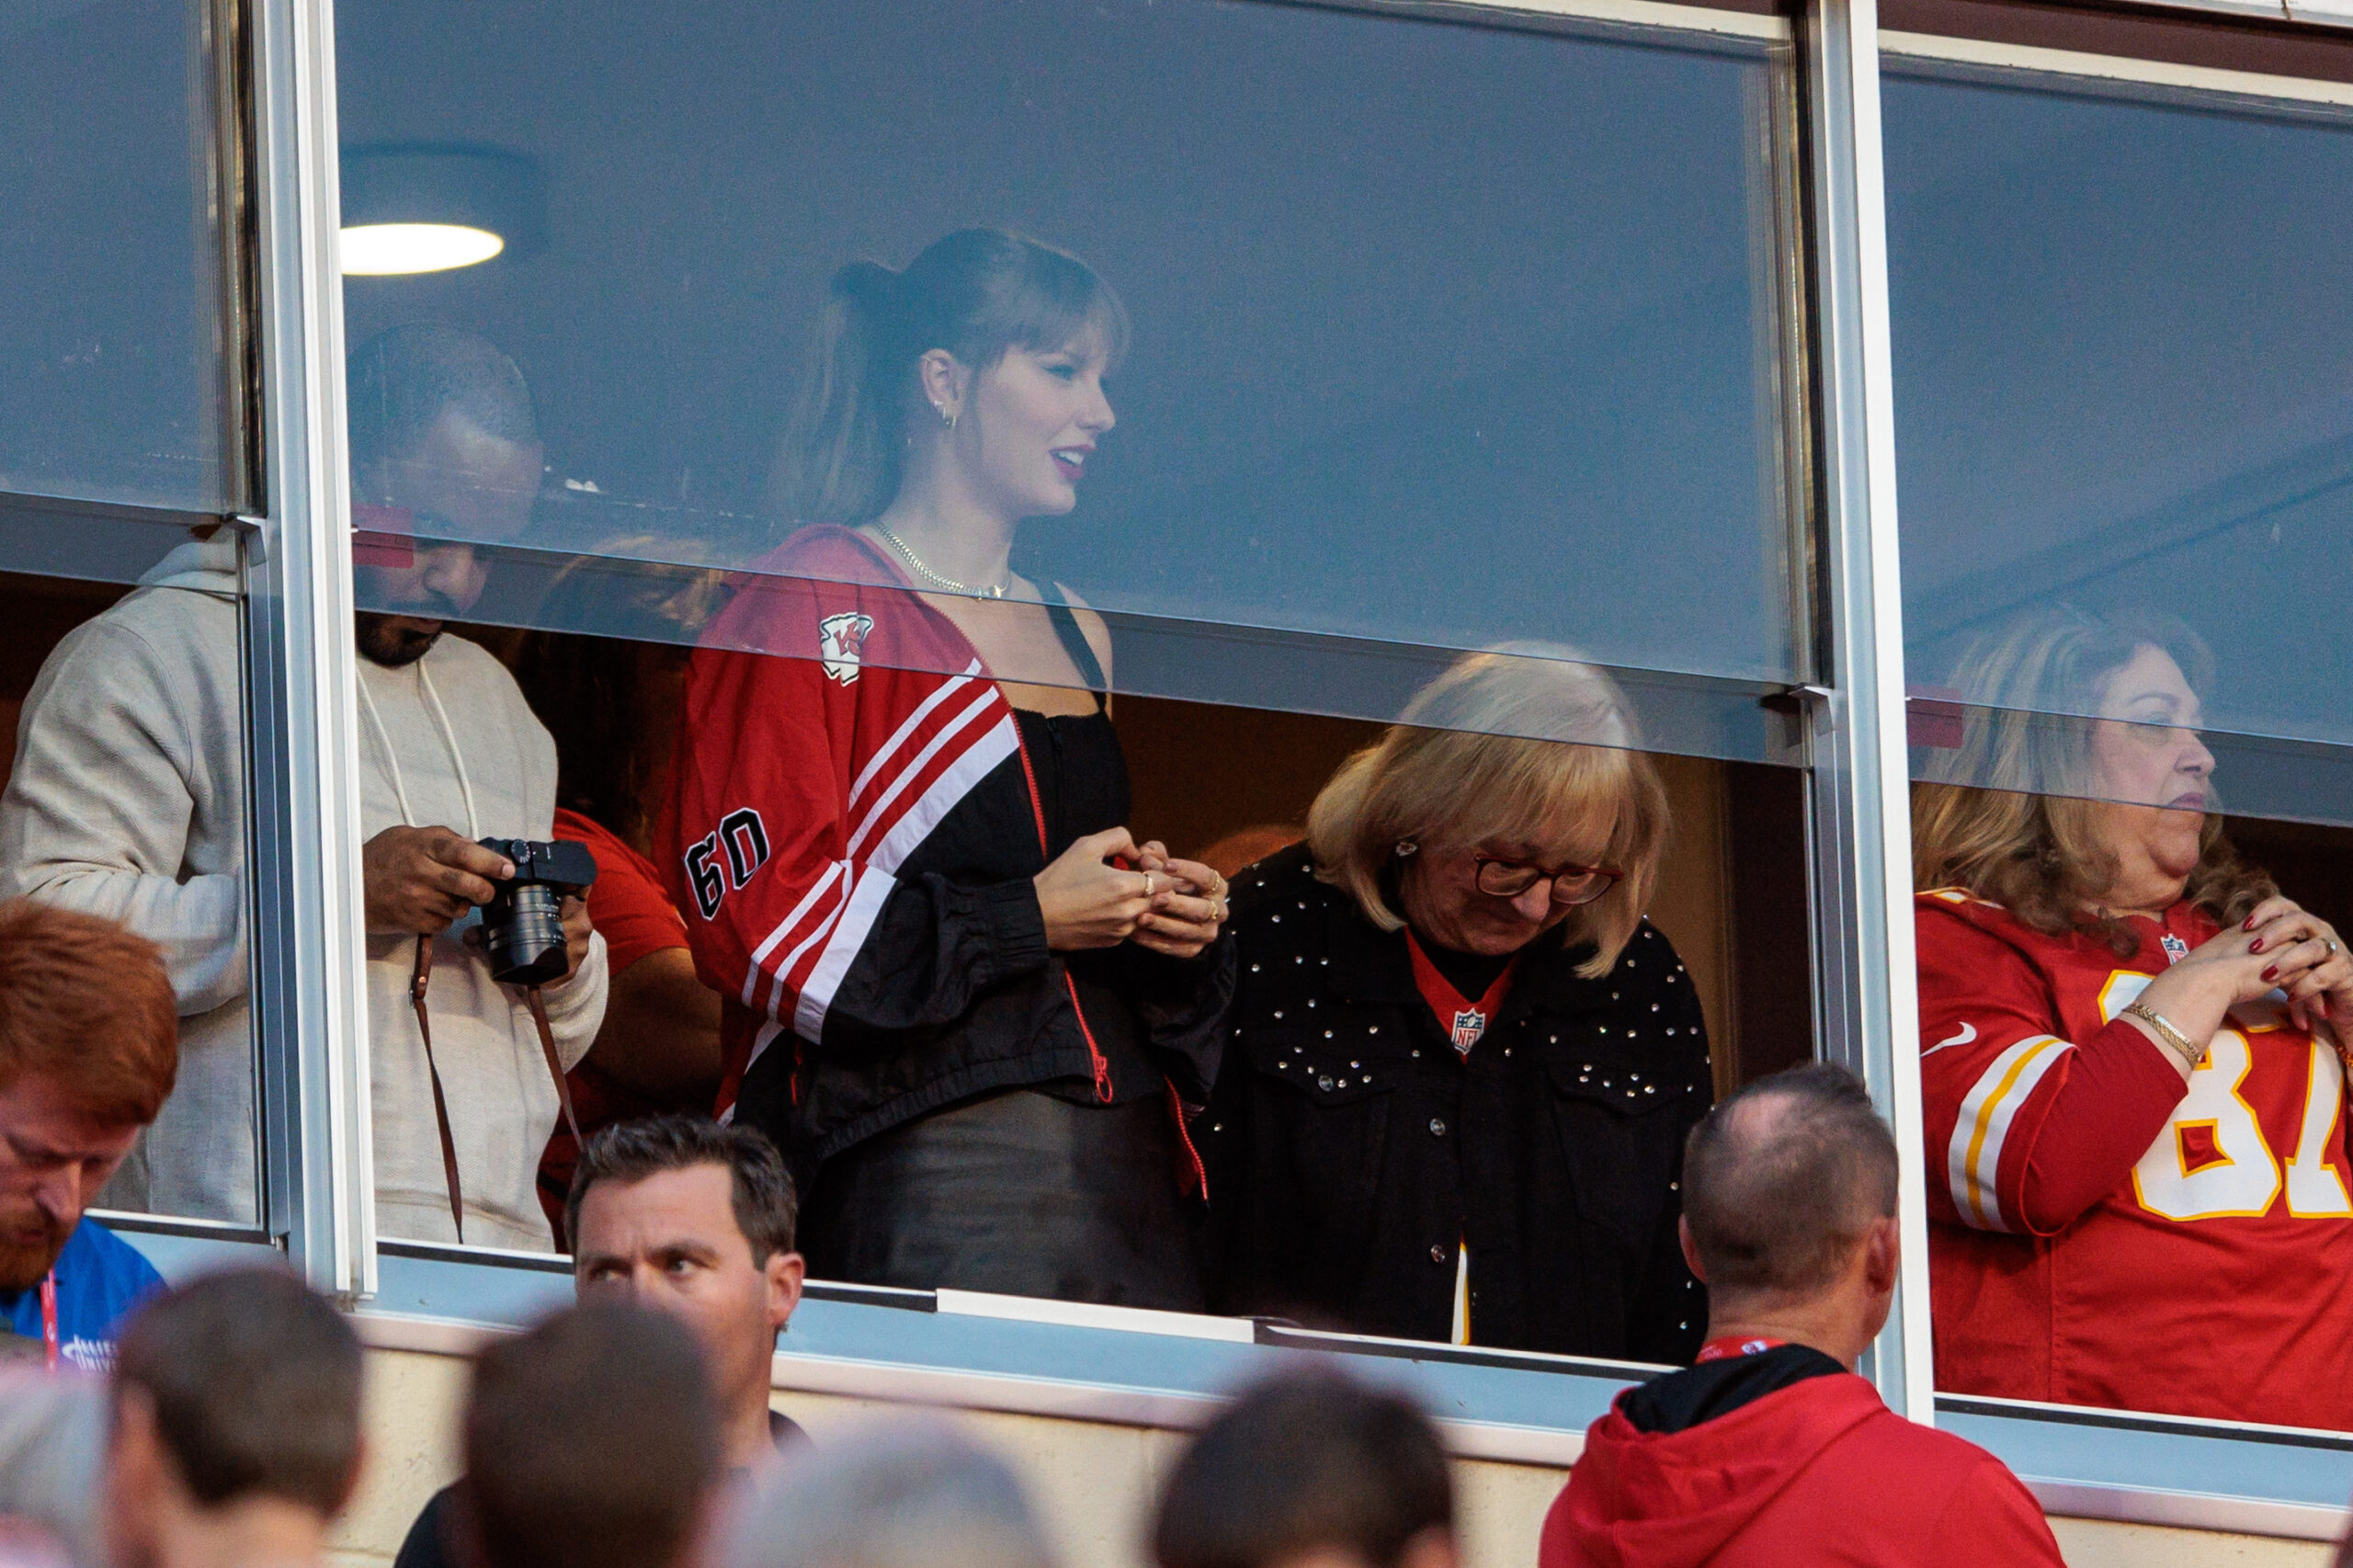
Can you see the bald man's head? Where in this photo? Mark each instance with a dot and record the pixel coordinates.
(1783, 1180)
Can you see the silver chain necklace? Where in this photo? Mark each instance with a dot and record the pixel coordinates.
(994, 591)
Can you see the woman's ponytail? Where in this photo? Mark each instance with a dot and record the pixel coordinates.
(840, 461)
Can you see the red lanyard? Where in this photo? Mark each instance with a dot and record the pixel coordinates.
(49, 1318)
(1463, 1019)
(1732, 1345)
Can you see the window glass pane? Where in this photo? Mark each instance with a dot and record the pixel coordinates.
(2123, 319)
(122, 794)
(1402, 381)
(1327, 1081)
(112, 384)
(1445, 389)
(2122, 352)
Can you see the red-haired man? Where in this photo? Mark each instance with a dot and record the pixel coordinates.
(89, 1045)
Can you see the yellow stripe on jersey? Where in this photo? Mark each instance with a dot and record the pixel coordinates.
(1974, 1157)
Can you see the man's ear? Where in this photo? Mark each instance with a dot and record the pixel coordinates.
(786, 1272)
(1690, 1249)
(1884, 1254)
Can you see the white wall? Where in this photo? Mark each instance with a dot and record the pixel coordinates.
(1093, 1482)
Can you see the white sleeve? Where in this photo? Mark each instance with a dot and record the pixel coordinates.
(96, 814)
(577, 1006)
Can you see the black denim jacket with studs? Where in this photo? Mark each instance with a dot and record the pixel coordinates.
(1353, 1153)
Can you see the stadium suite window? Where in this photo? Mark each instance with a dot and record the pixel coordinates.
(1335, 399)
(2116, 633)
(122, 791)
(1228, 787)
(113, 389)
(123, 736)
(1380, 392)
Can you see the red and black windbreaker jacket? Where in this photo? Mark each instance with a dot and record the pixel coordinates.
(852, 835)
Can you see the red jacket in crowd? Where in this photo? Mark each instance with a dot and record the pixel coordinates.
(1816, 1470)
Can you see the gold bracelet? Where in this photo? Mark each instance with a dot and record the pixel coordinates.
(2172, 1035)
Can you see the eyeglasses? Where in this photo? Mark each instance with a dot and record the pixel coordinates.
(1572, 884)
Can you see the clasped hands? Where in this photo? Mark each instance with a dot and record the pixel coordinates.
(1156, 901)
(2281, 947)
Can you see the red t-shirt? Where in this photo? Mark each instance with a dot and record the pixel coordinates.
(2099, 1234)
(626, 904)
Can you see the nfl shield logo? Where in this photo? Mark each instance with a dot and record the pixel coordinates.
(840, 639)
(2176, 949)
(1469, 1025)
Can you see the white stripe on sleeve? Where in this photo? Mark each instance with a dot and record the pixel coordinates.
(768, 944)
(760, 1043)
(1974, 1159)
(876, 813)
(889, 749)
(913, 828)
(866, 901)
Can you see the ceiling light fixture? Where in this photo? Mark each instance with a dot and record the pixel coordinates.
(382, 250)
(417, 206)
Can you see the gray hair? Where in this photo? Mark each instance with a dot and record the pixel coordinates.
(904, 1494)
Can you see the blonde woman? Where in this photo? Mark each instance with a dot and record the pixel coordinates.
(2140, 1195)
(1460, 1064)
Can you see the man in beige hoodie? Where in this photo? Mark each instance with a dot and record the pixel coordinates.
(127, 800)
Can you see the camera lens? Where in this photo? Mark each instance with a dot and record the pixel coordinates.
(527, 948)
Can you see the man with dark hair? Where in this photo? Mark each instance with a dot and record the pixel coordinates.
(590, 1442)
(127, 800)
(236, 1426)
(1764, 1453)
(89, 1043)
(695, 1220)
(446, 454)
(1310, 1470)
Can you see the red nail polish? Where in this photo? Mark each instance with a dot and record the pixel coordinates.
(2250, 924)
(2271, 973)
(2321, 1006)
(2256, 946)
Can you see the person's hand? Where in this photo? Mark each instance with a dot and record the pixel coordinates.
(1185, 919)
(2275, 947)
(2314, 968)
(1087, 901)
(421, 878)
(577, 932)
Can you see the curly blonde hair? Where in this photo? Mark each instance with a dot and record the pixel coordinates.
(1509, 744)
(2005, 814)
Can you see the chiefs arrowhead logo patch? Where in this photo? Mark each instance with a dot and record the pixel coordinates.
(841, 641)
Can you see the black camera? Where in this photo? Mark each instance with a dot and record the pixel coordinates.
(522, 925)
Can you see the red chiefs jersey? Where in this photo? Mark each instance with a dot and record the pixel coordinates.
(802, 789)
(2101, 1233)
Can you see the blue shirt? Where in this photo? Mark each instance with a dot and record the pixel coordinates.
(99, 1279)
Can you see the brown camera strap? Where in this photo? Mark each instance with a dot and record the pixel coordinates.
(418, 979)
